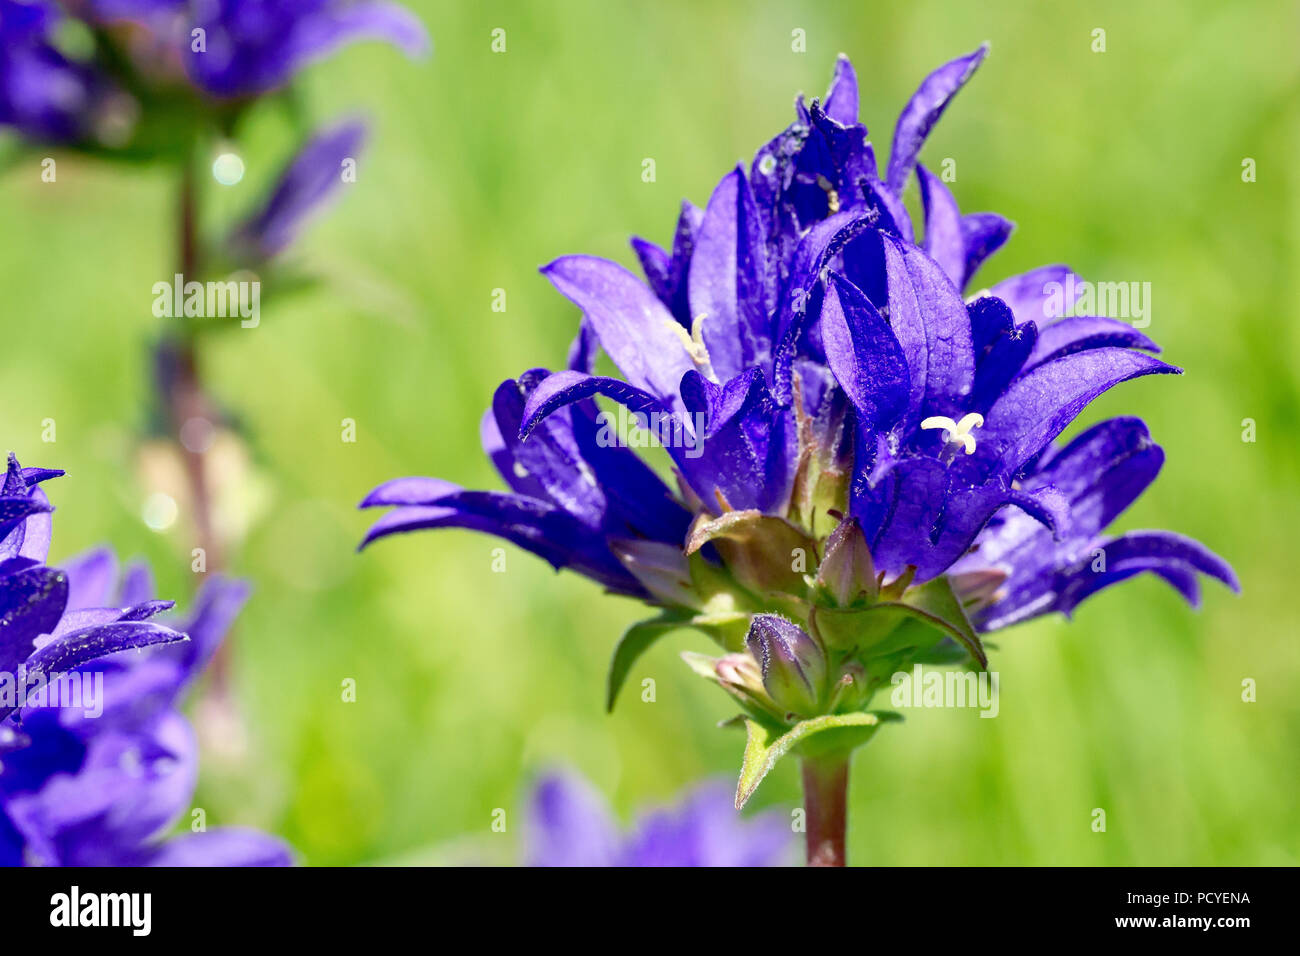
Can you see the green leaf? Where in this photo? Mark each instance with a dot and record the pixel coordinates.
(634, 642)
(766, 744)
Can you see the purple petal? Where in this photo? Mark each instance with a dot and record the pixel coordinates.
(1167, 547)
(1083, 332)
(14, 511)
(222, 846)
(740, 424)
(548, 452)
(1001, 349)
(965, 515)
(569, 824)
(69, 651)
(218, 603)
(30, 537)
(655, 263)
(127, 788)
(864, 355)
(728, 277)
(639, 503)
(537, 526)
(409, 491)
(1043, 401)
(667, 274)
(814, 252)
(253, 51)
(842, 97)
(1097, 475)
(76, 648)
(32, 599)
(706, 831)
(930, 322)
(584, 350)
(633, 327)
(945, 241)
(564, 388)
(916, 494)
(923, 111)
(92, 578)
(841, 155)
(137, 585)
(891, 215)
(1172, 557)
(1042, 296)
(983, 233)
(303, 189)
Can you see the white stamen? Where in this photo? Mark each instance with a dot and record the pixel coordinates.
(832, 197)
(956, 432)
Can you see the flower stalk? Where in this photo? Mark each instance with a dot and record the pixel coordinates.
(186, 399)
(825, 793)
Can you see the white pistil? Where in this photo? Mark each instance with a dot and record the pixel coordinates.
(694, 343)
(956, 432)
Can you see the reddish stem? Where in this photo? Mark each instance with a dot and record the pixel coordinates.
(826, 791)
(187, 399)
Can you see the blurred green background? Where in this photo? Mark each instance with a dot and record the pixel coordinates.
(1125, 164)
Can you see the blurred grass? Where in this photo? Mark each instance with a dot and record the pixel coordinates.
(1124, 164)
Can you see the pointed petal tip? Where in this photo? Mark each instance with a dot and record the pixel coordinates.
(371, 500)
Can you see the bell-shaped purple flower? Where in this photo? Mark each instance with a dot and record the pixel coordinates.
(96, 760)
(44, 95)
(236, 49)
(40, 636)
(794, 312)
(861, 447)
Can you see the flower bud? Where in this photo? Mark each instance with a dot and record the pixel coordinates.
(792, 664)
(847, 573)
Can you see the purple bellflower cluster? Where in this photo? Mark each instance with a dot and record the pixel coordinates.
(96, 761)
(570, 824)
(864, 444)
(113, 74)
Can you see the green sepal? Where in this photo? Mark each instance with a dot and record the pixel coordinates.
(758, 549)
(749, 694)
(938, 604)
(877, 631)
(766, 743)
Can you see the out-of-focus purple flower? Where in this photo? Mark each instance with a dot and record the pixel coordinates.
(570, 824)
(230, 50)
(305, 187)
(243, 48)
(819, 381)
(44, 95)
(40, 637)
(96, 760)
